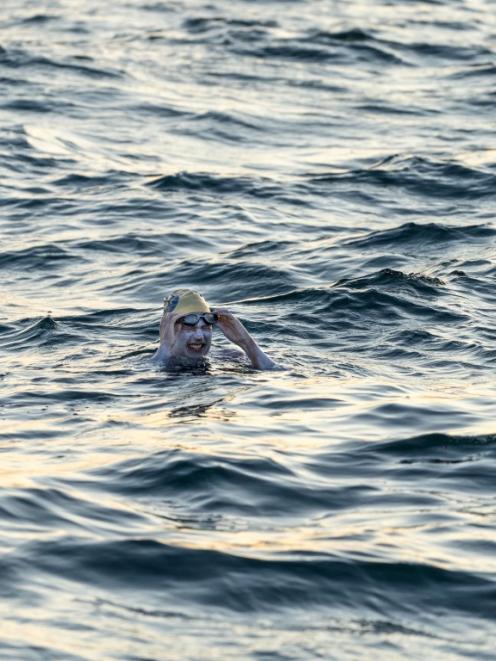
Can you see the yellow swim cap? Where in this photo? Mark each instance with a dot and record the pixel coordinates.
(185, 301)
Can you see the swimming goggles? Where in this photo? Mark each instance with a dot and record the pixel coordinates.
(192, 319)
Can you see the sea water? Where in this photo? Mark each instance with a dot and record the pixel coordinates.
(327, 170)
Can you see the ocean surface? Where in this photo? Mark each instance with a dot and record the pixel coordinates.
(327, 170)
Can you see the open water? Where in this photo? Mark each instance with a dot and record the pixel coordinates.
(328, 170)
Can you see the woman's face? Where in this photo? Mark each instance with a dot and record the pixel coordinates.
(192, 341)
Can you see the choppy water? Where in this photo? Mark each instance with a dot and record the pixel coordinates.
(329, 170)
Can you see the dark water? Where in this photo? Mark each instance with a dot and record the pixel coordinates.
(329, 170)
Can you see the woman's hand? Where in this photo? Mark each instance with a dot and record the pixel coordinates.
(232, 328)
(168, 334)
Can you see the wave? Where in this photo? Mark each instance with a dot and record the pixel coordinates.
(451, 53)
(28, 336)
(77, 181)
(479, 70)
(45, 508)
(423, 236)
(218, 184)
(231, 120)
(386, 295)
(452, 462)
(79, 331)
(39, 19)
(348, 47)
(228, 127)
(42, 257)
(225, 581)
(34, 106)
(200, 24)
(421, 175)
(257, 248)
(352, 35)
(390, 278)
(234, 279)
(310, 50)
(441, 447)
(261, 38)
(256, 487)
(18, 58)
(452, 348)
(147, 244)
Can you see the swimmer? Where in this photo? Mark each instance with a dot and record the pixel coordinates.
(186, 332)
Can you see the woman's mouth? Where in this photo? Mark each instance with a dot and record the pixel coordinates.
(196, 347)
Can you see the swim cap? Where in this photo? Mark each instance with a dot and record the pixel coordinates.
(185, 301)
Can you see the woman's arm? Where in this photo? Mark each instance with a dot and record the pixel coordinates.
(234, 330)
